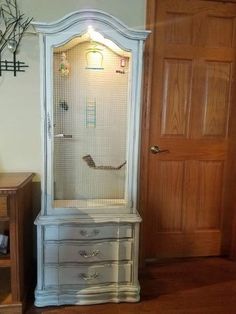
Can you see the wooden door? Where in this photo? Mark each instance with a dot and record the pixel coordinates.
(190, 76)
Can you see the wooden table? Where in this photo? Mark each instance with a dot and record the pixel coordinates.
(16, 220)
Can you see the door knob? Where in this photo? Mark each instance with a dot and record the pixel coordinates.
(156, 150)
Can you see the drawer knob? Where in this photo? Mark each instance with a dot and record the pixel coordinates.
(89, 255)
(88, 277)
(86, 234)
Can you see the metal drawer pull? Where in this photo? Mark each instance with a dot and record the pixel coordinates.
(89, 255)
(93, 233)
(88, 277)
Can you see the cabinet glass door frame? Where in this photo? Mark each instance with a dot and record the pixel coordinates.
(58, 33)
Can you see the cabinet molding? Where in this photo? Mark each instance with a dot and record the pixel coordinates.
(104, 231)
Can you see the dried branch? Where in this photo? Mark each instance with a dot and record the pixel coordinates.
(13, 24)
(22, 28)
(9, 29)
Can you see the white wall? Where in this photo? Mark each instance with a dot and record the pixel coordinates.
(20, 146)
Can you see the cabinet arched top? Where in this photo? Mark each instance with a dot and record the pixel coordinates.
(78, 20)
(98, 31)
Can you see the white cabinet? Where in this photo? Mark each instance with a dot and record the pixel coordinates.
(87, 275)
(96, 251)
(88, 227)
(88, 232)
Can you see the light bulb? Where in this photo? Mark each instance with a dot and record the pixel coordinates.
(11, 45)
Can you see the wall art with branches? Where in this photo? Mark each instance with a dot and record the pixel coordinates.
(13, 24)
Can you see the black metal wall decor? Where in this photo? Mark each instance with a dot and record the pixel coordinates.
(13, 25)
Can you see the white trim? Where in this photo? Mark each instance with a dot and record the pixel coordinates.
(88, 219)
(90, 16)
(114, 293)
(72, 25)
(114, 221)
(39, 257)
(136, 254)
(137, 121)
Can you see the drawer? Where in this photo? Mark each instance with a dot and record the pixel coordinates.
(3, 206)
(88, 232)
(87, 275)
(91, 252)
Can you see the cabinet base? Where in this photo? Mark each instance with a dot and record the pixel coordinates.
(48, 297)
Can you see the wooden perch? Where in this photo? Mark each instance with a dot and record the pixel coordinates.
(90, 162)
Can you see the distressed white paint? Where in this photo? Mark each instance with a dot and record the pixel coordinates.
(61, 281)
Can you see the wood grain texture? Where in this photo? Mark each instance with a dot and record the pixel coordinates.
(229, 200)
(176, 33)
(5, 261)
(168, 198)
(176, 286)
(3, 206)
(217, 91)
(210, 194)
(147, 83)
(174, 244)
(176, 97)
(20, 226)
(11, 181)
(191, 100)
(219, 31)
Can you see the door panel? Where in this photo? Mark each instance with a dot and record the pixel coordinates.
(217, 87)
(179, 28)
(193, 60)
(169, 195)
(219, 31)
(176, 94)
(209, 194)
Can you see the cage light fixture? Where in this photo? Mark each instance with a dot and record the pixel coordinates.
(94, 56)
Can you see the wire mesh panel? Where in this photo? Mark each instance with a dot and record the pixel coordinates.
(90, 126)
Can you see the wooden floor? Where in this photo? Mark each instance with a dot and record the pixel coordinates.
(200, 285)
